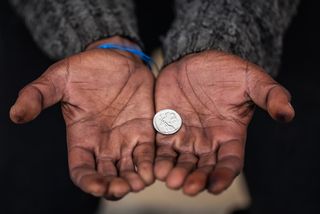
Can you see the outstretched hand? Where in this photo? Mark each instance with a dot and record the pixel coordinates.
(215, 94)
(107, 104)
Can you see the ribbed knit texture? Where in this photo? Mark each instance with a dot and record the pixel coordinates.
(65, 27)
(251, 29)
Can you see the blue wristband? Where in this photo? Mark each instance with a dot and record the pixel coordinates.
(147, 59)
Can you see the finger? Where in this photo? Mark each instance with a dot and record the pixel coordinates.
(127, 172)
(229, 165)
(143, 156)
(118, 187)
(106, 167)
(185, 164)
(278, 104)
(197, 180)
(164, 162)
(273, 98)
(83, 173)
(36, 96)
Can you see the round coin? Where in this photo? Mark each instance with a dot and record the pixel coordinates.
(167, 121)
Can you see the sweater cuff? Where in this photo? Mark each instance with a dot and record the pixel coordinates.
(252, 30)
(62, 28)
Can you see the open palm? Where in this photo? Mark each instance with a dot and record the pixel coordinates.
(215, 94)
(107, 104)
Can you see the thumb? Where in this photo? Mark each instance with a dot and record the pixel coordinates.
(271, 96)
(38, 95)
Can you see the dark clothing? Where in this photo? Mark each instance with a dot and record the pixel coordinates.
(251, 29)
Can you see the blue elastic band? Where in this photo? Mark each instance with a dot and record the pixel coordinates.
(147, 59)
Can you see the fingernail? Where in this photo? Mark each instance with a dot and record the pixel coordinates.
(113, 198)
(17, 118)
(281, 117)
(289, 104)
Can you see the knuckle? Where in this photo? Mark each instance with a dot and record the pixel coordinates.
(231, 162)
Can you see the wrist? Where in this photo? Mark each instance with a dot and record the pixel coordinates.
(115, 40)
(118, 40)
(124, 47)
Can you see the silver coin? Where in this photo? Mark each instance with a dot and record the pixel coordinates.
(167, 121)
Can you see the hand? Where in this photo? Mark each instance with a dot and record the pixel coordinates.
(215, 95)
(107, 104)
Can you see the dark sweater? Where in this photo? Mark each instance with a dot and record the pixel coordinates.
(251, 29)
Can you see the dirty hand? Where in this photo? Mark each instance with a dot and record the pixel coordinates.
(107, 104)
(215, 94)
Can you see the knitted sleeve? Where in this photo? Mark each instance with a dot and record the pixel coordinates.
(63, 27)
(251, 29)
